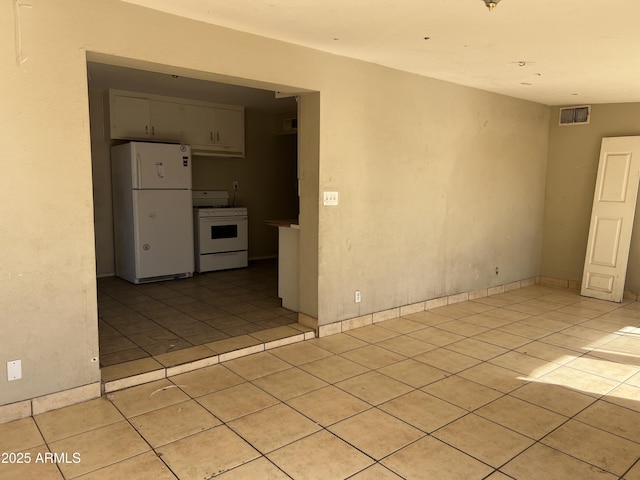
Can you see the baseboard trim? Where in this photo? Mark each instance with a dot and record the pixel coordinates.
(35, 406)
(52, 401)
(372, 318)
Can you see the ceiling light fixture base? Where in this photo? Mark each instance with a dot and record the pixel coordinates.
(491, 4)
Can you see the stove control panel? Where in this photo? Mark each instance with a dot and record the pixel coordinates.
(222, 212)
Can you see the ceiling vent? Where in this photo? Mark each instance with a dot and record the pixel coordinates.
(575, 115)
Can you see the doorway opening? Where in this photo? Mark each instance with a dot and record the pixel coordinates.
(163, 324)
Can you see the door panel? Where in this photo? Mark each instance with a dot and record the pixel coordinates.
(606, 239)
(129, 117)
(166, 120)
(615, 177)
(198, 125)
(229, 129)
(614, 205)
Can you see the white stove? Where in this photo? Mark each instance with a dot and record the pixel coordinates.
(221, 232)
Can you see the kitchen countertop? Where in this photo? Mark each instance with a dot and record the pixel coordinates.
(288, 222)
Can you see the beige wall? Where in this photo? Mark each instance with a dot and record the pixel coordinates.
(439, 184)
(309, 175)
(572, 169)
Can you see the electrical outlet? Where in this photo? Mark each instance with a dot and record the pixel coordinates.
(358, 297)
(330, 198)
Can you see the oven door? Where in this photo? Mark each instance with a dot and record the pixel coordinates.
(222, 234)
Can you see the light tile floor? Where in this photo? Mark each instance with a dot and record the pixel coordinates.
(158, 319)
(534, 383)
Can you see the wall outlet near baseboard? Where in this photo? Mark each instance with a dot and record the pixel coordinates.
(357, 297)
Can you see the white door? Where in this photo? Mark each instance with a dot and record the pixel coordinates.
(163, 236)
(614, 204)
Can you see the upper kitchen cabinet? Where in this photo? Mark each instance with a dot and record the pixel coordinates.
(219, 130)
(139, 118)
(166, 120)
(210, 128)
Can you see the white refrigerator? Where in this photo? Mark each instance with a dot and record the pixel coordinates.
(152, 211)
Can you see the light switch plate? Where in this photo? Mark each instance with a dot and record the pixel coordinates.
(14, 370)
(330, 198)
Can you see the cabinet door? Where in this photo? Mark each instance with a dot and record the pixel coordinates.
(229, 129)
(198, 125)
(166, 120)
(129, 117)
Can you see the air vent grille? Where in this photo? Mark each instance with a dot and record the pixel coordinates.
(575, 115)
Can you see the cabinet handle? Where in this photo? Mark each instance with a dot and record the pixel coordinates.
(211, 136)
(146, 129)
(153, 131)
(217, 136)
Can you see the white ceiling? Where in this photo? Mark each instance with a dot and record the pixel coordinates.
(555, 52)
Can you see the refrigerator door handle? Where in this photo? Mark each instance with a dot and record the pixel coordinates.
(138, 172)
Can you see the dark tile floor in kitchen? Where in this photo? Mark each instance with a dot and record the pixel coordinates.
(138, 321)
